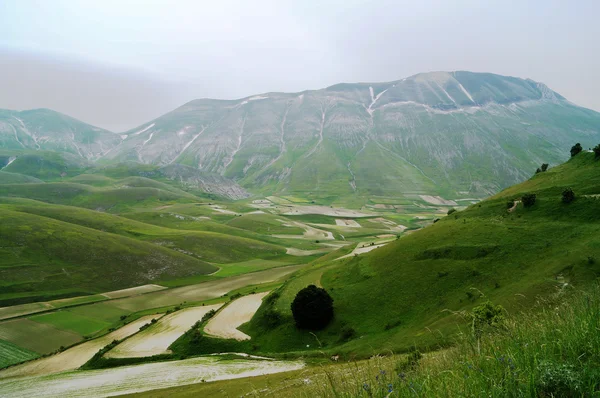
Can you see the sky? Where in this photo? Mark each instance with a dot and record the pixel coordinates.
(119, 64)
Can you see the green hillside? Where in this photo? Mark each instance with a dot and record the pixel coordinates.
(41, 255)
(404, 293)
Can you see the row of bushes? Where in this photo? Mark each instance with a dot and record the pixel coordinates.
(577, 148)
(529, 199)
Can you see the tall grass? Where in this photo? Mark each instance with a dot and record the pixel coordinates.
(551, 351)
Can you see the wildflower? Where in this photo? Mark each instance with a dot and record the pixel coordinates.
(402, 375)
(382, 372)
(366, 387)
(390, 388)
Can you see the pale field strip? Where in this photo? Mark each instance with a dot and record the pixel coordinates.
(437, 200)
(309, 232)
(76, 356)
(33, 308)
(238, 312)
(157, 338)
(292, 251)
(132, 291)
(139, 378)
(347, 223)
(202, 291)
(23, 309)
(361, 248)
(326, 211)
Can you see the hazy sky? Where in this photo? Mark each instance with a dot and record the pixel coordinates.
(118, 64)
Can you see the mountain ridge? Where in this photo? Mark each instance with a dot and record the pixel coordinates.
(448, 133)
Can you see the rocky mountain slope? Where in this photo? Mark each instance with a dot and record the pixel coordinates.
(448, 133)
(44, 129)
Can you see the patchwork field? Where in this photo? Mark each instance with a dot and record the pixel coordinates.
(10, 354)
(76, 356)
(138, 378)
(238, 312)
(200, 292)
(157, 338)
(133, 291)
(34, 336)
(66, 320)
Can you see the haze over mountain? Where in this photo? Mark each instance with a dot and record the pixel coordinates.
(449, 133)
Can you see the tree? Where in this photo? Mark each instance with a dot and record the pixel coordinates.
(486, 315)
(568, 195)
(575, 149)
(312, 308)
(544, 166)
(528, 199)
(597, 151)
(538, 171)
(452, 210)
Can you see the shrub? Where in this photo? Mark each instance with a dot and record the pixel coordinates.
(347, 333)
(576, 149)
(486, 315)
(544, 166)
(207, 316)
(591, 260)
(538, 171)
(411, 362)
(528, 199)
(391, 325)
(597, 151)
(271, 318)
(312, 308)
(452, 210)
(558, 380)
(568, 195)
(235, 296)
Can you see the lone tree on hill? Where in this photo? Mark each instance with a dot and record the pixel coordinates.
(575, 149)
(597, 151)
(568, 195)
(312, 308)
(544, 166)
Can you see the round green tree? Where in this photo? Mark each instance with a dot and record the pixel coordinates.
(312, 308)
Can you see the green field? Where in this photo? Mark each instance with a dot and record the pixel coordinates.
(68, 320)
(11, 354)
(37, 337)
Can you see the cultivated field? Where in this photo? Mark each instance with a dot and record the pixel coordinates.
(35, 336)
(74, 357)
(133, 291)
(238, 312)
(130, 379)
(157, 338)
(202, 291)
(10, 353)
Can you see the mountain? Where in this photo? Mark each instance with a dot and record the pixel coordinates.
(454, 134)
(44, 129)
(457, 133)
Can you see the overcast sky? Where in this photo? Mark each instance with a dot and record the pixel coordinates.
(118, 64)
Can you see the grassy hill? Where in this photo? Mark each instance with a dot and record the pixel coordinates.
(67, 250)
(405, 293)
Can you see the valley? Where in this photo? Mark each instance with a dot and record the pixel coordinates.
(170, 255)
